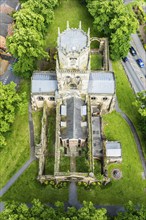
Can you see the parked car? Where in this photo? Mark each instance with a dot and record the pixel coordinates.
(125, 59)
(140, 63)
(132, 51)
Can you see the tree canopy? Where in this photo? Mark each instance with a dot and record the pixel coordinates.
(9, 101)
(116, 21)
(38, 211)
(28, 40)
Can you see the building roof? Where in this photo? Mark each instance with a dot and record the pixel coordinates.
(101, 83)
(6, 19)
(113, 149)
(73, 129)
(96, 137)
(44, 82)
(11, 3)
(3, 29)
(73, 40)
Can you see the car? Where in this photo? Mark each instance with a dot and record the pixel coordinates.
(125, 59)
(140, 63)
(132, 51)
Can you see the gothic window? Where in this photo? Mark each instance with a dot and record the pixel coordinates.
(105, 98)
(52, 98)
(40, 98)
(73, 86)
(78, 79)
(93, 98)
(68, 79)
(79, 142)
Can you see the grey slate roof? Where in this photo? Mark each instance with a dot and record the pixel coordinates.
(74, 118)
(113, 149)
(96, 137)
(6, 19)
(11, 3)
(73, 40)
(3, 29)
(44, 82)
(101, 83)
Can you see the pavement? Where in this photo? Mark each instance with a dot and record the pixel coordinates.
(9, 76)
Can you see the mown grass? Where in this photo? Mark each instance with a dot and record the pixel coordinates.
(131, 186)
(16, 152)
(26, 188)
(50, 159)
(37, 116)
(126, 97)
(96, 61)
(64, 164)
(82, 164)
(73, 11)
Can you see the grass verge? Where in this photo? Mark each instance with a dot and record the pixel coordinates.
(26, 188)
(37, 117)
(16, 152)
(131, 186)
(126, 97)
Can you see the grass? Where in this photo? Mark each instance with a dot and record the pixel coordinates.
(82, 165)
(50, 160)
(97, 167)
(26, 188)
(126, 97)
(73, 11)
(64, 164)
(131, 186)
(37, 116)
(96, 61)
(16, 152)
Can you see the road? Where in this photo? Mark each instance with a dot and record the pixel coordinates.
(136, 75)
(9, 76)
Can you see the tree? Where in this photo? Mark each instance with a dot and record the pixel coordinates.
(9, 100)
(140, 103)
(116, 21)
(28, 41)
(38, 211)
(132, 212)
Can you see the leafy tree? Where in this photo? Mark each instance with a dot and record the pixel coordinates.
(116, 21)
(140, 103)
(132, 213)
(28, 41)
(9, 100)
(38, 211)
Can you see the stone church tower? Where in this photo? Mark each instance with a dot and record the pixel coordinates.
(73, 61)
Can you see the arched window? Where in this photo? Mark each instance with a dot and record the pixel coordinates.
(105, 98)
(40, 98)
(73, 86)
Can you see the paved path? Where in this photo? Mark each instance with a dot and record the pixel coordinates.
(143, 161)
(73, 198)
(26, 165)
(15, 177)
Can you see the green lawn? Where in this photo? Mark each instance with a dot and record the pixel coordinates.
(26, 188)
(64, 164)
(72, 11)
(82, 164)
(131, 186)
(16, 152)
(50, 160)
(37, 116)
(126, 97)
(96, 61)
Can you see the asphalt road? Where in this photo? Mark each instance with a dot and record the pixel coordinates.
(8, 76)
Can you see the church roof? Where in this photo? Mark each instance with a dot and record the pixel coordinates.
(43, 82)
(73, 129)
(101, 83)
(73, 40)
